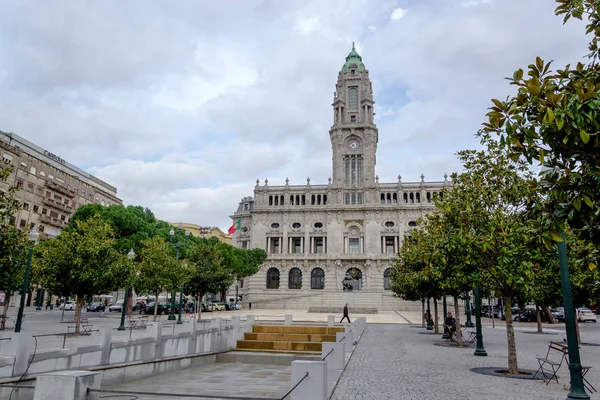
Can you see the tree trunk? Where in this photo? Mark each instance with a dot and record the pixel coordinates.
(423, 313)
(457, 318)
(538, 319)
(513, 366)
(577, 327)
(6, 305)
(155, 305)
(129, 302)
(435, 313)
(199, 306)
(78, 307)
(549, 316)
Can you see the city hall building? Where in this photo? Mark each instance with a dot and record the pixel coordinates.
(334, 242)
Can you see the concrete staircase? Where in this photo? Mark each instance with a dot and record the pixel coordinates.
(289, 339)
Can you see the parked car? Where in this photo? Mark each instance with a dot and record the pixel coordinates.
(163, 308)
(68, 305)
(207, 307)
(585, 314)
(118, 306)
(559, 314)
(96, 306)
(529, 315)
(218, 306)
(138, 305)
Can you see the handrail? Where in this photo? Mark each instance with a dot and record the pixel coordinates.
(179, 395)
(326, 355)
(343, 338)
(295, 386)
(3, 385)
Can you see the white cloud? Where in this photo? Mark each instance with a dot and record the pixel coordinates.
(183, 107)
(307, 25)
(474, 3)
(397, 14)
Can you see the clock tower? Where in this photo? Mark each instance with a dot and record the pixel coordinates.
(353, 134)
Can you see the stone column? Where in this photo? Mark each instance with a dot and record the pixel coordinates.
(67, 385)
(314, 386)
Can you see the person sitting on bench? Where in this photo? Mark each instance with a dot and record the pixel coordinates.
(450, 324)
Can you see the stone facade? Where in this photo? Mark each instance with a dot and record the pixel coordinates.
(51, 189)
(332, 243)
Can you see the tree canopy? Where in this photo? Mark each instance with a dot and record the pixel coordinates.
(13, 241)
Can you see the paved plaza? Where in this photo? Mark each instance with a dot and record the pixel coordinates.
(395, 359)
(395, 362)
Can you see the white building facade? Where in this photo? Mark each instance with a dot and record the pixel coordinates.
(332, 243)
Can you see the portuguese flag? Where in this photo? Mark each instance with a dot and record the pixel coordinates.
(237, 225)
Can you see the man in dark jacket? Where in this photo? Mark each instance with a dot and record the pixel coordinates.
(450, 324)
(345, 313)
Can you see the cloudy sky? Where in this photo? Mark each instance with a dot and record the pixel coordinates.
(183, 105)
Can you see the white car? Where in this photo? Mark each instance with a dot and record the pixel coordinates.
(68, 305)
(584, 314)
(118, 306)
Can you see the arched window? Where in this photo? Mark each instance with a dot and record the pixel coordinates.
(325, 199)
(292, 199)
(32, 170)
(353, 98)
(297, 200)
(276, 200)
(295, 281)
(382, 198)
(270, 200)
(386, 278)
(312, 200)
(273, 278)
(281, 201)
(317, 279)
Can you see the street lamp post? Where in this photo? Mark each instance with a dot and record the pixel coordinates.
(577, 389)
(130, 256)
(480, 350)
(39, 299)
(429, 321)
(177, 245)
(33, 237)
(469, 323)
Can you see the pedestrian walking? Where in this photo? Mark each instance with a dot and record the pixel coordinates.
(345, 313)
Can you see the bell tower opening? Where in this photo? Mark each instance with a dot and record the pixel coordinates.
(353, 134)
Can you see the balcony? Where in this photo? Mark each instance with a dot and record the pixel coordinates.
(57, 205)
(52, 221)
(61, 189)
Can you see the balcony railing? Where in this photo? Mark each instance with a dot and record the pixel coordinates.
(53, 221)
(60, 188)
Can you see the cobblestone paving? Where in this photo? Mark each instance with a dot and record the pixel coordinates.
(396, 362)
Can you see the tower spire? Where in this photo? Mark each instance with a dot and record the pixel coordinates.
(353, 47)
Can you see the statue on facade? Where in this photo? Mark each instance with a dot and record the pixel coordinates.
(348, 282)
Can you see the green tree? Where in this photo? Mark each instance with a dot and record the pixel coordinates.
(554, 121)
(158, 271)
(82, 261)
(13, 242)
(492, 194)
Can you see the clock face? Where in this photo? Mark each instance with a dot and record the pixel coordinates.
(353, 144)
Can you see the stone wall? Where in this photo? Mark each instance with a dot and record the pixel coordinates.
(16, 355)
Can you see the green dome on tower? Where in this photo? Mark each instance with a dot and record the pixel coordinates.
(353, 58)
